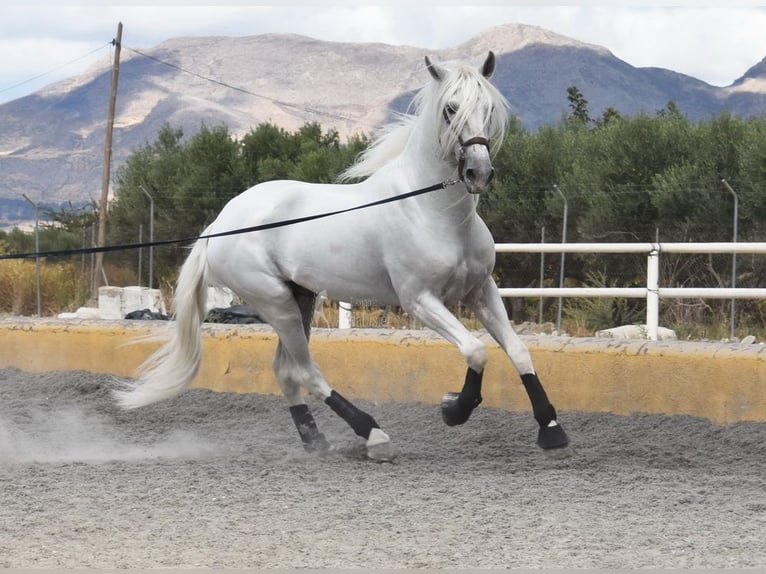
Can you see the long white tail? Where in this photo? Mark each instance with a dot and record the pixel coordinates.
(172, 368)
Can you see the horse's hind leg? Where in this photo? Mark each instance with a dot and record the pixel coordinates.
(304, 421)
(312, 439)
(288, 311)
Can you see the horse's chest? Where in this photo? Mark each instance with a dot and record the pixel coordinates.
(456, 274)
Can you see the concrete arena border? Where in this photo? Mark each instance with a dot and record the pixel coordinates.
(724, 383)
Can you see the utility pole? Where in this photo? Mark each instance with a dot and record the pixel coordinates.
(101, 239)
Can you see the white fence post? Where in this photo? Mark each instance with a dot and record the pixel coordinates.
(344, 315)
(653, 293)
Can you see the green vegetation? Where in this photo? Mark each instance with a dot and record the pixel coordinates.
(644, 178)
(191, 180)
(649, 177)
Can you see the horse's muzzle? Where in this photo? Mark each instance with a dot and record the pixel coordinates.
(477, 182)
(474, 165)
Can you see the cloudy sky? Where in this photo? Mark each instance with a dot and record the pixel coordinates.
(42, 42)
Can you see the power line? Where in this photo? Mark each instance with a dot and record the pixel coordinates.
(276, 101)
(55, 69)
(281, 103)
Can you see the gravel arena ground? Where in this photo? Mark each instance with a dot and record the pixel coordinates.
(220, 480)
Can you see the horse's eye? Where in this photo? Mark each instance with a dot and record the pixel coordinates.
(450, 109)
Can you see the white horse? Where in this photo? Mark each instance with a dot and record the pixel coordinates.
(423, 253)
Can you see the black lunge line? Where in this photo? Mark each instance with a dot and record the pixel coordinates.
(262, 227)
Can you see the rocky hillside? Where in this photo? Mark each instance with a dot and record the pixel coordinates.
(51, 142)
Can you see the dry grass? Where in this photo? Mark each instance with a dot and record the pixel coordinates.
(65, 286)
(62, 287)
(374, 317)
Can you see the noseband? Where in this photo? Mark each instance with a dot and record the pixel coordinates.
(476, 140)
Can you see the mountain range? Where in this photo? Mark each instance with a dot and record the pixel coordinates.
(52, 141)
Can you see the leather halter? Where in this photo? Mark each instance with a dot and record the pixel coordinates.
(476, 140)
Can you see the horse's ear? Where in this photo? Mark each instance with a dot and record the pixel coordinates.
(488, 68)
(434, 70)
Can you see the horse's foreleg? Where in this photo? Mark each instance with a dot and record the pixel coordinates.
(456, 407)
(488, 306)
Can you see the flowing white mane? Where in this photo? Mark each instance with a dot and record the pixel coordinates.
(463, 87)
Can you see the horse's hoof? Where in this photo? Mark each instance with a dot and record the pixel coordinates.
(453, 412)
(379, 447)
(552, 437)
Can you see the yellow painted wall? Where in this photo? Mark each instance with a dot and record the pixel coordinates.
(721, 382)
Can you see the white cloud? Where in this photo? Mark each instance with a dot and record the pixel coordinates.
(714, 43)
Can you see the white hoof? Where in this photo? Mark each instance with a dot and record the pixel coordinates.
(379, 447)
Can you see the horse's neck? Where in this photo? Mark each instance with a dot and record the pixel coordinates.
(451, 207)
(419, 165)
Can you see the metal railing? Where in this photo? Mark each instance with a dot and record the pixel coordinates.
(652, 292)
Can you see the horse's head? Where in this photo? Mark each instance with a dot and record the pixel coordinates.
(471, 113)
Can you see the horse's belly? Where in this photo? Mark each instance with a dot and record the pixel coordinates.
(327, 255)
(347, 275)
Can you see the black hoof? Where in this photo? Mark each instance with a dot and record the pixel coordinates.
(453, 411)
(552, 437)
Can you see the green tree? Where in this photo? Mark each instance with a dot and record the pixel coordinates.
(190, 180)
(609, 115)
(579, 106)
(630, 179)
